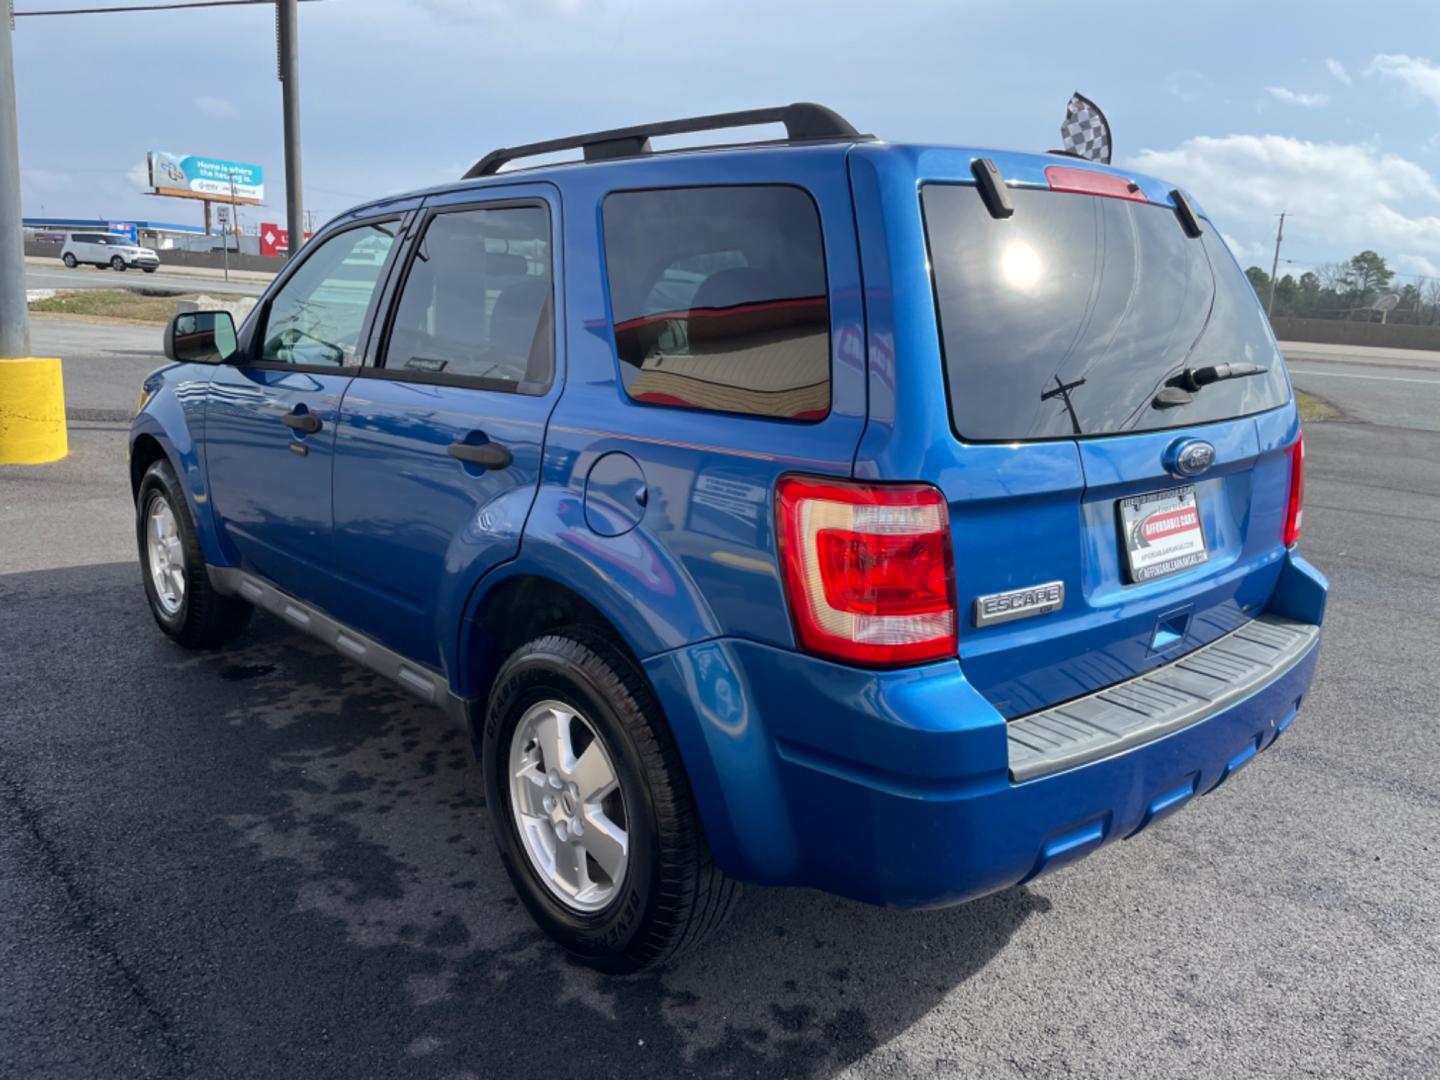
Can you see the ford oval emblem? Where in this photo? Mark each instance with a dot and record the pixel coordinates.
(1190, 457)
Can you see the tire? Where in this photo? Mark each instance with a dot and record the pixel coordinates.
(117, 263)
(194, 614)
(149, 269)
(70, 261)
(670, 894)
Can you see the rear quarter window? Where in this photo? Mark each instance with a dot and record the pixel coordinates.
(719, 299)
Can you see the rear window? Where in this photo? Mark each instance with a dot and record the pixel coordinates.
(719, 299)
(1068, 317)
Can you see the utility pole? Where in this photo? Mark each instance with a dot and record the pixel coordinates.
(14, 314)
(1275, 265)
(287, 45)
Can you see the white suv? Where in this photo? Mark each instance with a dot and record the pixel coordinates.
(107, 249)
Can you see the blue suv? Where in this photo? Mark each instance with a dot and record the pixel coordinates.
(899, 521)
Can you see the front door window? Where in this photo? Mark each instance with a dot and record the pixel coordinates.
(316, 318)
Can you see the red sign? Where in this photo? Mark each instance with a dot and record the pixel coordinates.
(1170, 522)
(274, 240)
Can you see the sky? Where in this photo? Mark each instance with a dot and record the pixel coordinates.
(1330, 111)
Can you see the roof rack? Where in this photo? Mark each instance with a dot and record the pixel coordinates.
(803, 121)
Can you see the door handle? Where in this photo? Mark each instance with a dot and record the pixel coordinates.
(305, 421)
(488, 455)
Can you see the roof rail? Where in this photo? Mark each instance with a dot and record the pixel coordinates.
(803, 121)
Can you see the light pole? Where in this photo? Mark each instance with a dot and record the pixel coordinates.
(32, 391)
(287, 44)
(14, 315)
(1275, 264)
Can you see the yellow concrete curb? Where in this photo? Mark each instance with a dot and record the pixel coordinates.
(32, 411)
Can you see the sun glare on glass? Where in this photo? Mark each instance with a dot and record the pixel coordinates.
(1020, 265)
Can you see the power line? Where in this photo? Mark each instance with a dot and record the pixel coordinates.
(150, 7)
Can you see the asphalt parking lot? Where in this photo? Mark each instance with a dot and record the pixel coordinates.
(267, 863)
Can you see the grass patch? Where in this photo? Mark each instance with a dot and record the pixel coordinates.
(111, 304)
(1314, 408)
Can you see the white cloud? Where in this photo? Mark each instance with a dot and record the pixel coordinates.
(1245, 254)
(1338, 70)
(1342, 198)
(1296, 97)
(1420, 76)
(1410, 263)
(217, 107)
(1186, 85)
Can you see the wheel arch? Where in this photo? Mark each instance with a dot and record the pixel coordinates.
(145, 450)
(162, 432)
(513, 606)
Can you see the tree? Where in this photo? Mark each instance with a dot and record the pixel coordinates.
(1411, 302)
(1260, 281)
(1287, 295)
(1432, 300)
(1332, 276)
(1367, 274)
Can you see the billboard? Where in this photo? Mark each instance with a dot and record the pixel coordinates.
(190, 177)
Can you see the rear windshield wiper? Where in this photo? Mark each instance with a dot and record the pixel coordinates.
(1181, 388)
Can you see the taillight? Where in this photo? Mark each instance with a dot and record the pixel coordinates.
(867, 570)
(1296, 508)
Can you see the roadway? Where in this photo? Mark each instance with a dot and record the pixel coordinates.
(1393, 387)
(268, 863)
(44, 273)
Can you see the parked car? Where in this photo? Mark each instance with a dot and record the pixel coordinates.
(107, 249)
(901, 521)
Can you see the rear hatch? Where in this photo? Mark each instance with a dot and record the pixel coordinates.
(1078, 334)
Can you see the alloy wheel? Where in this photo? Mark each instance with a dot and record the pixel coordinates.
(165, 555)
(568, 807)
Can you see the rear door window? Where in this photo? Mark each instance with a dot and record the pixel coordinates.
(719, 299)
(1067, 318)
(477, 306)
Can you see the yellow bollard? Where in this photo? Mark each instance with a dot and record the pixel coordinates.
(32, 411)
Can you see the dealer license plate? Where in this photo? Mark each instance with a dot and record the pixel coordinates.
(1161, 533)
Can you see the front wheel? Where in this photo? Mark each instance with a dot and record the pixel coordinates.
(70, 261)
(149, 269)
(117, 263)
(182, 600)
(593, 815)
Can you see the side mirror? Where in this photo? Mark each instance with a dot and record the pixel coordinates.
(201, 337)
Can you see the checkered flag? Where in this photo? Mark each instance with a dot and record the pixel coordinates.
(1085, 132)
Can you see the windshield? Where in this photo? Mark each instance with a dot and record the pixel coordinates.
(1068, 317)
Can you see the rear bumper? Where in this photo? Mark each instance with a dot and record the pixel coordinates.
(896, 787)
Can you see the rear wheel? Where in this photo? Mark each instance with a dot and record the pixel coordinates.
(117, 263)
(70, 261)
(182, 600)
(594, 818)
